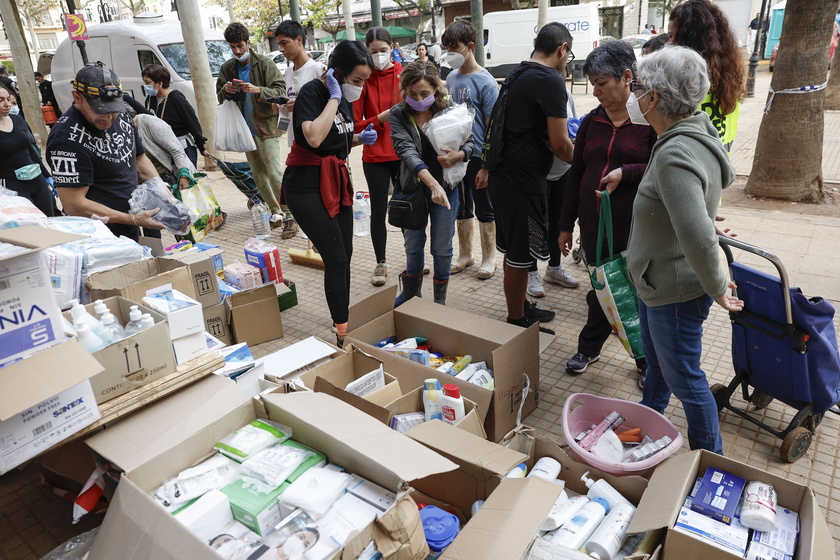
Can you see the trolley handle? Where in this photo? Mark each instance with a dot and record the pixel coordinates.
(727, 242)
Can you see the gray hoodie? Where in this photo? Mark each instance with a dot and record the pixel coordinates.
(673, 251)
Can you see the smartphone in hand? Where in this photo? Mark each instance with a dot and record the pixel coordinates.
(278, 100)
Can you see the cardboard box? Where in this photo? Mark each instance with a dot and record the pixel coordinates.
(179, 430)
(672, 481)
(133, 361)
(46, 399)
(183, 313)
(133, 280)
(513, 353)
(203, 272)
(30, 319)
(295, 360)
(216, 323)
(254, 315)
(189, 347)
(413, 402)
(287, 297)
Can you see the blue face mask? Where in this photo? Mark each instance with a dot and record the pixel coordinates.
(15, 110)
(150, 90)
(244, 57)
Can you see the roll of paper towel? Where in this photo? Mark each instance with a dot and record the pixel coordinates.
(759, 509)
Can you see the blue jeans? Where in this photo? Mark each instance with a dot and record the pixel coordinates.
(472, 197)
(442, 230)
(672, 339)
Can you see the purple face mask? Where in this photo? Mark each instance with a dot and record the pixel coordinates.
(421, 105)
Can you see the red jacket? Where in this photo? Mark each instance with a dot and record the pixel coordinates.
(381, 92)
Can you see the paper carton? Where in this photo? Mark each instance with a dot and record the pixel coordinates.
(46, 399)
(134, 361)
(216, 323)
(133, 280)
(255, 315)
(30, 319)
(202, 269)
(189, 347)
(295, 360)
(513, 353)
(179, 430)
(674, 478)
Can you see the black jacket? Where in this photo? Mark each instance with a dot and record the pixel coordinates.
(176, 111)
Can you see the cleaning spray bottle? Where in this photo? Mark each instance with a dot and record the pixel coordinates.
(432, 394)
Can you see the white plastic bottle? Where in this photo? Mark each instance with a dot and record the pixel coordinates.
(574, 532)
(90, 340)
(80, 315)
(112, 327)
(546, 468)
(602, 489)
(607, 538)
(517, 472)
(452, 404)
(432, 394)
(564, 508)
(99, 308)
(146, 321)
(133, 326)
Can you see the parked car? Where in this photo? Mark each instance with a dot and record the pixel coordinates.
(637, 42)
(832, 47)
(279, 60)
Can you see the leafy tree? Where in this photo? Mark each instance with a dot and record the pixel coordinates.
(320, 12)
(257, 15)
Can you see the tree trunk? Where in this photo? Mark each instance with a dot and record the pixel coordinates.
(36, 44)
(347, 7)
(788, 153)
(832, 92)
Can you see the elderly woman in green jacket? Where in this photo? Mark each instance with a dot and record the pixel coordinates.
(673, 251)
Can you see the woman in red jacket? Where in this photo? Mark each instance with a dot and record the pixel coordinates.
(379, 161)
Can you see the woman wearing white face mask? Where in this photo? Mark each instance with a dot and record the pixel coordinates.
(317, 184)
(379, 161)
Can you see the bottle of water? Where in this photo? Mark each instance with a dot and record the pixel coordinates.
(361, 214)
(260, 215)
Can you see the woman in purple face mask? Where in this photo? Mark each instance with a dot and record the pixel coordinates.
(424, 96)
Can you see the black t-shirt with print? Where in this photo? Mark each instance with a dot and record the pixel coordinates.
(539, 92)
(80, 155)
(309, 104)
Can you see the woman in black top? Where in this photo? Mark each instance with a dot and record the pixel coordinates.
(171, 106)
(316, 184)
(20, 154)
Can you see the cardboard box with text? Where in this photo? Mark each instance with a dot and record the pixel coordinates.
(133, 280)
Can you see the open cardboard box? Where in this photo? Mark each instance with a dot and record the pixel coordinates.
(180, 430)
(296, 359)
(254, 315)
(203, 274)
(133, 280)
(513, 353)
(674, 478)
(413, 402)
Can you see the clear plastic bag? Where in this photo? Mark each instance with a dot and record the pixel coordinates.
(174, 215)
(232, 132)
(451, 128)
(74, 549)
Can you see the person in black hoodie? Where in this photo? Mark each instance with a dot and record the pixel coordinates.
(171, 106)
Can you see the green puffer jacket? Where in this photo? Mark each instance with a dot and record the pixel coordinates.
(271, 82)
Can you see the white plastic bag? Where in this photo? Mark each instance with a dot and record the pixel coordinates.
(451, 128)
(232, 132)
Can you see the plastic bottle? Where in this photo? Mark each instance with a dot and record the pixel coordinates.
(146, 321)
(602, 489)
(432, 394)
(452, 404)
(546, 468)
(361, 214)
(607, 538)
(260, 216)
(476, 506)
(458, 366)
(564, 508)
(574, 532)
(99, 308)
(80, 315)
(517, 472)
(446, 368)
(112, 327)
(90, 340)
(133, 326)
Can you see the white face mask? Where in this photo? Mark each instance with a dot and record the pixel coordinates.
(456, 59)
(350, 92)
(294, 547)
(381, 60)
(635, 112)
(228, 549)
(15, 110)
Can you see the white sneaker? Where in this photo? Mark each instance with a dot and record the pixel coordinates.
(535, 287)
(557, 275)
(380, 273)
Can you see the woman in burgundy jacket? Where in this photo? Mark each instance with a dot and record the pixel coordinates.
(611, 153)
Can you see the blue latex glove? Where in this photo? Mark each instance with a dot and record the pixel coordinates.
(573, 125)
(50, 181)
(332, 86)
(368, 136)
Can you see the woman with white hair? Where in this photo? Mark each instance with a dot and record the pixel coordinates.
(672, 255)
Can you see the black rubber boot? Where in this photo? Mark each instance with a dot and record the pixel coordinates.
(412, 285)
(440, 290)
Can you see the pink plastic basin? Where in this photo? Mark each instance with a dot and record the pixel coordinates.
(582, 410)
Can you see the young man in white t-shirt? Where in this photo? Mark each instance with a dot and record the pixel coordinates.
(303, 68)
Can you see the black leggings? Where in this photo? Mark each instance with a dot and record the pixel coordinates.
(332, 236)
(379, 177)
(556, 192)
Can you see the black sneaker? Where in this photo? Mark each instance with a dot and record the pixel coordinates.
(536, 314)
(578, 363)
(525, 322)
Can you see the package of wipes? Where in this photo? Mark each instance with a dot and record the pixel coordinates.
(274, 465)
(316, 490)
(253, 438)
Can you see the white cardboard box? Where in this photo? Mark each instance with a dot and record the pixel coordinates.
(189, 347)
(183, 321)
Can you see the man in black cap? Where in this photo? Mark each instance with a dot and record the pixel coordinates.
(96, 157)
(47, 95)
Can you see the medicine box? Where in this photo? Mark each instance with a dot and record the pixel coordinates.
(189, 347)
(182, 312)
(783, 537)
(733, 538)
(718, 495)
(758, 551)
(206, 515)
(371, 493)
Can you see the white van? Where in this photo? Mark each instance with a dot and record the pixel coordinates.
(126, 47)
(510, 35)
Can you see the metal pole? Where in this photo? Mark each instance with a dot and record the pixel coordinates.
(754, 56)
(294, 10)
(71, 9)
(477, 15)
(542, 14)
(434, 26)
(376, 12)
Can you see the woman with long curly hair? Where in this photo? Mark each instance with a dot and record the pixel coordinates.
(703, 27)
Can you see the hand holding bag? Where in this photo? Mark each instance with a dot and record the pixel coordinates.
(200, 199)
(232, 132)
(614, 288)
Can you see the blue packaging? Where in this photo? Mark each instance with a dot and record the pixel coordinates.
(440, 527)
(718, 495)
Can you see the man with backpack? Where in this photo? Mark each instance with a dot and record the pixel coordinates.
(527, 128)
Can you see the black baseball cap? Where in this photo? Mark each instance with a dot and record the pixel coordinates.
(101, 87)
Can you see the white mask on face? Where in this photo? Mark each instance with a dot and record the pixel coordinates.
(456, 59)
(635, 112)
(15, 110)
(294, 547)
(350, 92)
(381, 60)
